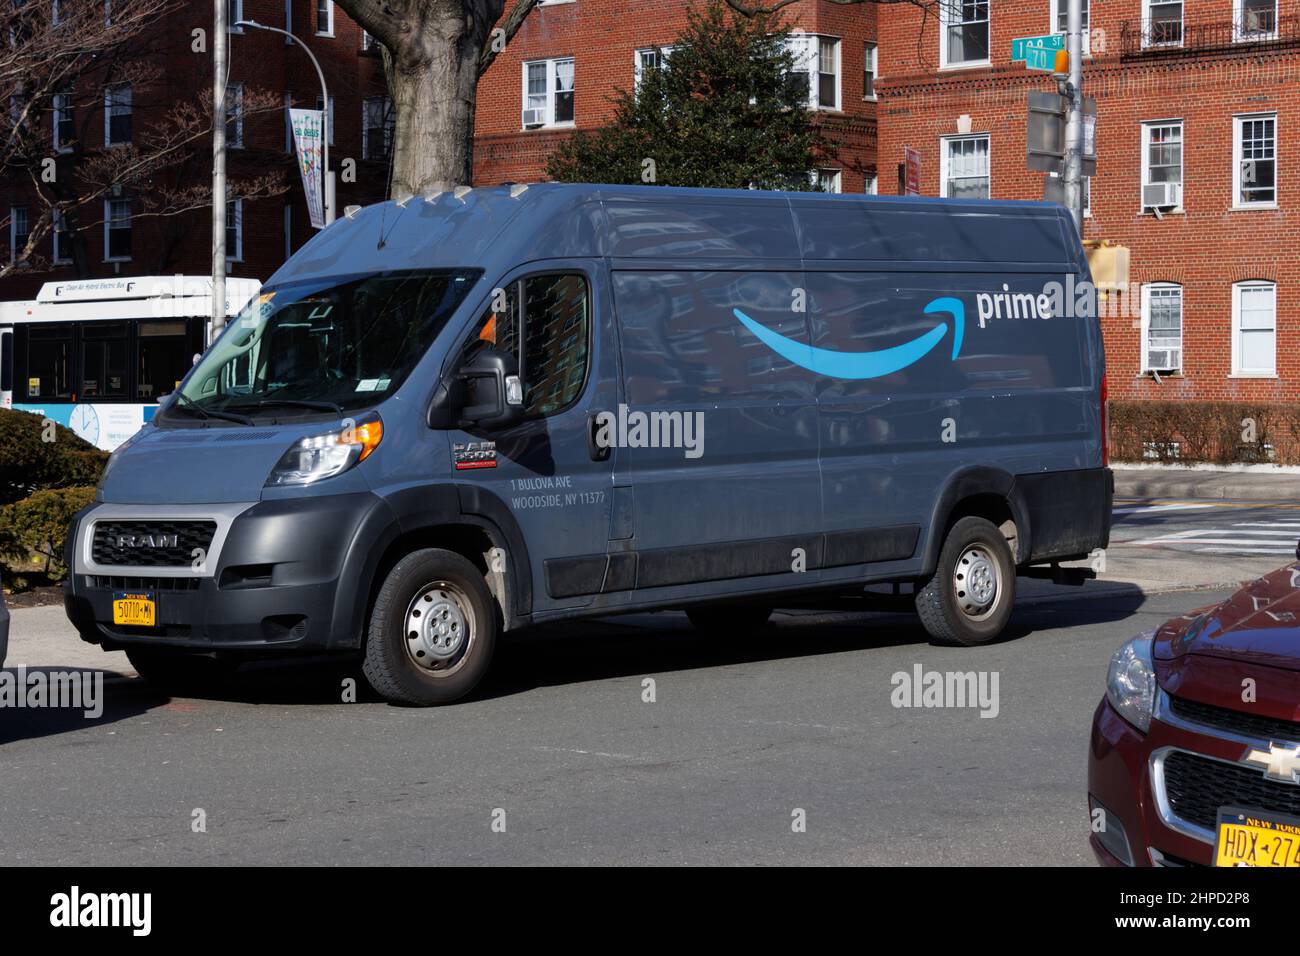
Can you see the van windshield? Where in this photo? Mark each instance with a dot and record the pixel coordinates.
(322, 346)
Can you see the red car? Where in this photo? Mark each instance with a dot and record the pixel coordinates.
(1195, 751)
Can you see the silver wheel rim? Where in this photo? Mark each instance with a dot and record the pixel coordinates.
(977, 582)
(440, 628)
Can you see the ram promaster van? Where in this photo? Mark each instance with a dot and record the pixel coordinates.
(453, 416)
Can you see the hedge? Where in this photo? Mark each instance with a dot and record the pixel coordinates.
(38, 525)
(1205, 432)
(29, 463)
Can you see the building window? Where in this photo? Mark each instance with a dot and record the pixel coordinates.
(816, 69)
(235, 230)
(1254, 19)
(1062, 24)
(1163, 20)
(548, 93)
(62, 122)
(235, 117)
(1254, 167)
(324, 18)
(828, 73)
(117, 115)
(117, 230)
(1162, 327)
(873, 184)
(869, 71)
(1254, 328)
(828, 180)
(963, 32)
(1162, 165)
(320, 105)
(20, 230)
(645, 60)
(62, 239)
(376, 127)
(965, 162)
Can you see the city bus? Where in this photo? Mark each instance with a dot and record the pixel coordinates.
(96, 355)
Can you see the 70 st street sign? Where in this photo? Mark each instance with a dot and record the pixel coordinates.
(1037, 53)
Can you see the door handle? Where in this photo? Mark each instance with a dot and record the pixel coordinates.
(595, 450)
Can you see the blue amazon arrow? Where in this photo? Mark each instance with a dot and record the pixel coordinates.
(864, 364)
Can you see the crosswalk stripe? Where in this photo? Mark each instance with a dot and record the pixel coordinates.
(1171, 539)
(1245, 551)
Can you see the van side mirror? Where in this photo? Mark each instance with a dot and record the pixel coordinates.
(486, 391)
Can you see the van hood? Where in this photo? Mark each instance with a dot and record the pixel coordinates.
(1259, 624)
(194, 465)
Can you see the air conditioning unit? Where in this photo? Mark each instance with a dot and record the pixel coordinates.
(1162, 195)
(1164, 360)
(534, 117)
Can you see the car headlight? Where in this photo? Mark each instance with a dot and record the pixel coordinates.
(324, 456)
(1131, 682)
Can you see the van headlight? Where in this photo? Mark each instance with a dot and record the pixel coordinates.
(323, 456)
(1131, 682)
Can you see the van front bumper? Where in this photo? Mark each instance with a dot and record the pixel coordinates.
(280, 576)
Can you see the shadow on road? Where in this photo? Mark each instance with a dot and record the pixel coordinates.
(121, 699)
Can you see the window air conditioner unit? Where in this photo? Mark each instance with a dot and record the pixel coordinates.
(534, 117)
(1164, 360)
(1161, 195)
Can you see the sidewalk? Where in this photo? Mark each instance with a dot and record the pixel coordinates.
(1173, 481)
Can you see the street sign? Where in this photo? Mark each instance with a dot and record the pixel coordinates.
(1021, 46)
(1045, 133)
(912, 184)
(1089, 112)
(1040, 58)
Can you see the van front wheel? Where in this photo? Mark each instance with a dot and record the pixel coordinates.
(433, 630)
(969, 598)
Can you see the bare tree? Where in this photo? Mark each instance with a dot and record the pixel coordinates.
(61, 60)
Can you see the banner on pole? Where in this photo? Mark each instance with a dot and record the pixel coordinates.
(307, 128)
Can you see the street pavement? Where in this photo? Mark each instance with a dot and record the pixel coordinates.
(583, 761)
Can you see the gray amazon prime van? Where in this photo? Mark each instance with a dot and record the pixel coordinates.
(452, 416)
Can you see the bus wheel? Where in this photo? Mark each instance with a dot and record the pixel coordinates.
(969, 598)
(432, 631)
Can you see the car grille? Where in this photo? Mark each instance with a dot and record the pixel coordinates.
(117, 582)
(107, 548)
(1197, 786)
(1255, 726)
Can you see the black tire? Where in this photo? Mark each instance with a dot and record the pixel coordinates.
(735, 620)
(453, 618)
(176, 670)
(952, 603)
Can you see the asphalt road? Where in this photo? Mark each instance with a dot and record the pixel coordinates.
(560, 743)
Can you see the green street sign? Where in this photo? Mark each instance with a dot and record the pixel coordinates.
(1039, 58)
(1021, 46)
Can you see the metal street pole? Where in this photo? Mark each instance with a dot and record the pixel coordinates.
(1074, 115)
(220, 45)
(327, 177)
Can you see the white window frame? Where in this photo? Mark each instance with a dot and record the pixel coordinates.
(108, 225)
(946, 10)
(944, 142)
(548, 120)
(872, 185)
(835, 176)
(59, 225)
(1237, 370)
(1145, 345)
(1147, 127)
(1147, 21)
(638, 67)
(61, 102)
(1237, 160)
(871, 64)
(235, 116)
(235, 217)
(806, 50)
(13, 230)
(1239, 34)
(108, 113)
(329, 31)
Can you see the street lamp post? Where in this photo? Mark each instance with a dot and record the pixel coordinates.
(327, 175)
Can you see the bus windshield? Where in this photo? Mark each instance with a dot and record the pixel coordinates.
(323, 346)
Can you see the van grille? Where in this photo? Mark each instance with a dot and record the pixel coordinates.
(1197, 786)
(150, 544)
(117, 582)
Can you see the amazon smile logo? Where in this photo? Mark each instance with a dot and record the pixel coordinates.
(859, 365)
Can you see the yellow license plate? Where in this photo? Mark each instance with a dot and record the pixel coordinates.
(138, 610)
(1252, 838)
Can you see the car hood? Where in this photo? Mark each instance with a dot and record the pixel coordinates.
(187, 465)
(1260, 624)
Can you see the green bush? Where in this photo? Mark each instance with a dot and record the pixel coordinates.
(30, 462)
(37, 527)
(1205, 432)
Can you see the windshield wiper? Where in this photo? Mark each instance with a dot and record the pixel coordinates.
(294, 403)
(190, 405)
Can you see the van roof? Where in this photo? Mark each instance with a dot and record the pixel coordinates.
(498, 227)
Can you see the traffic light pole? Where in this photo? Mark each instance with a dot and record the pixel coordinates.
(1073, 179)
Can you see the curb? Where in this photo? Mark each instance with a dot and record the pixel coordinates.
(1222, 485)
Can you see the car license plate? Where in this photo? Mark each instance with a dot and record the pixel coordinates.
(1255, 838)
(138, 610)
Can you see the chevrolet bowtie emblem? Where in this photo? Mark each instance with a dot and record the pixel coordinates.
(1279, 762)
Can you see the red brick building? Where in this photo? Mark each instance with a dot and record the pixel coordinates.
(1198, 107)
(261, 233)
(560, 71)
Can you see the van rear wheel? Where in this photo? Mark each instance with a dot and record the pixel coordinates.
(969, 598)
(433, 630)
